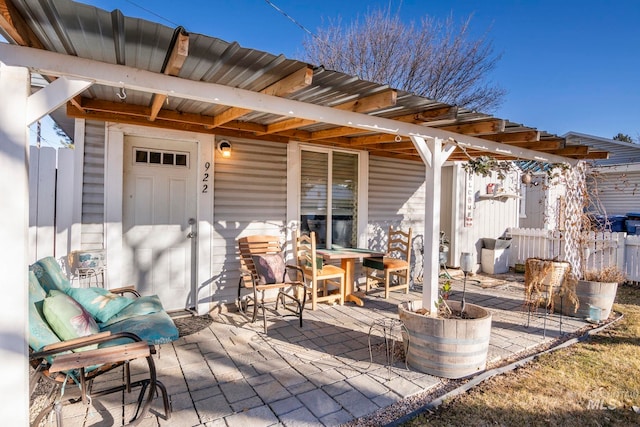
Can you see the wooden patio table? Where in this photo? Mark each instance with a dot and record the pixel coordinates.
(348, 257)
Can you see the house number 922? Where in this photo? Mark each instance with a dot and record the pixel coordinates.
(205, 178)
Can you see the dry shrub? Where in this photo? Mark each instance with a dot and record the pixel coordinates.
(545, 278)
(611, 274)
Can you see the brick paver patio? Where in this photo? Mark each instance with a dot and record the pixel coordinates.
(232, 374)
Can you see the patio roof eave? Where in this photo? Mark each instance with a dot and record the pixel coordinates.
(120, 76)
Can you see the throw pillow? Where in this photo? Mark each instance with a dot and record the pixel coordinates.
(270, 269)
(67, 318)
(50, 274)
(100, 303)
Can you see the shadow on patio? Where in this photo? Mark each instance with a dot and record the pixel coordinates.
(231, 373)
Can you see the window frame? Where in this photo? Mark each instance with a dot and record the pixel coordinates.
(294, 178)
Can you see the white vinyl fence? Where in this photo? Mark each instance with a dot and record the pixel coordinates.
(601, 249)
(50, 202)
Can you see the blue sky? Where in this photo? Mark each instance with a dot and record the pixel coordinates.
(567, 65)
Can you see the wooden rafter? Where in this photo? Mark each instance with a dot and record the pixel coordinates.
(447, 113)
(373, 142)
(207, 122)
(545, 145)
(597, 155)
(16, 27)
(509, 137)
(334, 132)
(574, 151)
(292, 83)
(478, 127)
(74, 112)
(175, 61)
(377, 138)
(365, 104)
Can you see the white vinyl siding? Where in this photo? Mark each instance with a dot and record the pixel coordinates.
(250, 198)
(92, 234)
(397, 198)
(491, 216)
(618, 193)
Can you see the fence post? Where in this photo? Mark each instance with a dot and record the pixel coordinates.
(621, 247)
(45, 203)
(64, 202)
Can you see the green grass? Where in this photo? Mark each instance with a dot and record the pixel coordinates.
(593, 383)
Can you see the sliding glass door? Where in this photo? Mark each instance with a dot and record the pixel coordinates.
(328, 197)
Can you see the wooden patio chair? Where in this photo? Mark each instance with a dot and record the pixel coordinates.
(263, 269)
(397, 262)
(331, 277)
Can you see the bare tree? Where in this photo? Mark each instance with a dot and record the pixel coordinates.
(435, 59)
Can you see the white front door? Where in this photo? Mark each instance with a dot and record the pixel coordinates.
(158, 219)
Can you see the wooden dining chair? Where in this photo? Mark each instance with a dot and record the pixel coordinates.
(395, 264)
(330, 277)
(263, 269)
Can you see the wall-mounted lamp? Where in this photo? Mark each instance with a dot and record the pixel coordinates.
(224, 147)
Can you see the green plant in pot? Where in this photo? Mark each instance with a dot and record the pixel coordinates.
(452, 339)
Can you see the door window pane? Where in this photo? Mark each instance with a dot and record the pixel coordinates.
(313, 194)
(344, 197)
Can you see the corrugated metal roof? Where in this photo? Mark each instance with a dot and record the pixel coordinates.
(620, 152)
(78, 29)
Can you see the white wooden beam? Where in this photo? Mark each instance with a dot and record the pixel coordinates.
(118, 76)
(434, 155)
(14, 211)
(54, 95)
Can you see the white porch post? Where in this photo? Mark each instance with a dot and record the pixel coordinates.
(433, 155)
(14, 227)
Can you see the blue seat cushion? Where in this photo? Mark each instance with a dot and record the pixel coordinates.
(155, 328)
(147, 304)
(99, 302)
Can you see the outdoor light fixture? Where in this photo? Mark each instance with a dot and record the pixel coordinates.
(224, 147)
(466, 265)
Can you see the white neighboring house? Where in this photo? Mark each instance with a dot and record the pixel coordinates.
(615, 191)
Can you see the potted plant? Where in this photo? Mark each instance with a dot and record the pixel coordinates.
(596, 293)
(452, 339)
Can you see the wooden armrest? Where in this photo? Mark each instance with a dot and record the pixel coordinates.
(76, 341)
(119, 353)
(124, 290)
(299, 269)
